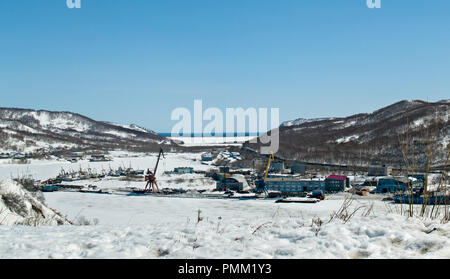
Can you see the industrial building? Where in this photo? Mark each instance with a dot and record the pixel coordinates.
(5, 155)
(207, 157)
(379, 171)
(224, 169)
(276, 166)
(336, 183)
(298, 168)
(236, 182)
(390, 185)
(293, 186)
(183, 170)
(99, 158)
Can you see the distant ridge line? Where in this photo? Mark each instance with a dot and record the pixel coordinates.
(195, 135)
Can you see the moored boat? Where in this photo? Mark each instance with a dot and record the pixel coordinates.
(437, 198)
(298, 200)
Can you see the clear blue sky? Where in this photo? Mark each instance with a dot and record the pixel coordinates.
(133, 61)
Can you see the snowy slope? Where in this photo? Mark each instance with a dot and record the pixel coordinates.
(301, 121)
(28, 130)
(18, 206)
(368, 137)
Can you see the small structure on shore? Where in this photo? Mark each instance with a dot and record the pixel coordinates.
(236, 182)
(99, 158)
(207, 157)
(183, 170)
(336, 183)
(379, 171)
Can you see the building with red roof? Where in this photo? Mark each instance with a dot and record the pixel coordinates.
(336, 183)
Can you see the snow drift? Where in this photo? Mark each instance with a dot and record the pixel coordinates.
(21, 207)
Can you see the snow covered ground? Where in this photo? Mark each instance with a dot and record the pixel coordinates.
(45, 169)
(153, 227)
(171, 227)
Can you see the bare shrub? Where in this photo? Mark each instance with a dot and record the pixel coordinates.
(83, 221)
(38, 219)
(2, 211)
(392, 208)
(30, 185)
(135, 178)
(195, 245)
(27, 183)
(180, 180)
(261, 226)
(344, 213)
(199, 218)
(446, 218)
(15, 203)
(39, 196)
(368, 210)
(160, 252)
(35, 220)
(316, 224)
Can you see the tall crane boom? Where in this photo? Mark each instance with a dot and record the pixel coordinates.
(268, 165)
(161, 152)
(151, 177)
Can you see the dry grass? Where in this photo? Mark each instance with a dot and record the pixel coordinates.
(15, 204)
(134, 178)
(408, 149)
(345, 213)
(83, 221)
(261, 226)
(316, 224)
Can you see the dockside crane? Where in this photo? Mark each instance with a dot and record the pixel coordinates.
(151, 177)
(260, 184)
(271, 157)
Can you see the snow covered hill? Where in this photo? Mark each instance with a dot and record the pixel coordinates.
(18, 206)
(300, 121)
(28, 130)
(369, 137)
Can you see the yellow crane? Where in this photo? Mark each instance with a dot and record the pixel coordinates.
(268, 165)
